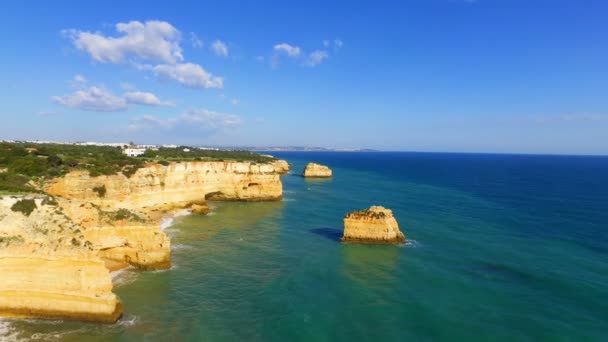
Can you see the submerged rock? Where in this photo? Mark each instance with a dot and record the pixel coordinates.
(373, 225)
(317, 170)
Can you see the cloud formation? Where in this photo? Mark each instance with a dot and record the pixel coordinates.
(220, 48)
(98, 99)
(92, 99)
(150, 46)
(199, 118)
(150, 41)
(316, 57)
(195, 41)
(144, 98)
(312, 59)
(290, 50)
(188, 74)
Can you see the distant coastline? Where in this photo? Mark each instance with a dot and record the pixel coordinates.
(307, 149)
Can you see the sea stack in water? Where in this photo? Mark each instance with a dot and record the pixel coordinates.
(374, 225)
(317, 170)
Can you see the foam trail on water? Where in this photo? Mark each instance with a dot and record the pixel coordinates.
(9, 333)
(124, 276)
(168, 221)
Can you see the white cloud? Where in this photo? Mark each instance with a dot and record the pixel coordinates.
(144, 98)
(338, 43)
(188, 74)
(235, 101)
(200, 118)
(79, 79)
(144, 45)
(127, 86)
(291, 51)
(92, 99)
(210, 119)
(326, 43)
(195, 41)
(152, 40)
(148, 121)
(220, 48)
(316, 57)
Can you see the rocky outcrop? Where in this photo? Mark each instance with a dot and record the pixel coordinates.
(56, 252)
(48, 268)
(120, 214)
(374, 225)
(317, 170)
(178, 184)
(281, 166)
(122, 236)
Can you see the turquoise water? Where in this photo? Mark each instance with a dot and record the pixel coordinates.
(502, 248)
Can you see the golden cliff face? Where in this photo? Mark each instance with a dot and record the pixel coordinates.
(48, 268)
(176, 184)
(373, 225)
(55, 259)
(281, 166)
(122, 237)
(317, 170)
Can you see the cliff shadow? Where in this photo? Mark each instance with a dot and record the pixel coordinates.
(328, 233)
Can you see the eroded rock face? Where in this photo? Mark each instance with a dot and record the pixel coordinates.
(281, 166)
(317, 170)
(121, 237)
(56, 253)
(374, 225)
(48, 269)
(176, 184)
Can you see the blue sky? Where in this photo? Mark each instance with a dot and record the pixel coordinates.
(425, 75)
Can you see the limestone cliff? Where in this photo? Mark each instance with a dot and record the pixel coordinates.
(317, 170)
(281, 166)
(374, 225)
(178, 184)
(120, 214)
(121, 236)
(48, 268)
(56, 252)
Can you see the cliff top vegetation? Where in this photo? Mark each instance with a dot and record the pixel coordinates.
(21, 164)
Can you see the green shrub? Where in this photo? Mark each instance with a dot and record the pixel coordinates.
(11, 240)
(24, 206)
(123, 214)
(100, 190)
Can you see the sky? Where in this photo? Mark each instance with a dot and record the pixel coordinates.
(500, 76)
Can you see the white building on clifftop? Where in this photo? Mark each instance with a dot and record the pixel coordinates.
(133, 151)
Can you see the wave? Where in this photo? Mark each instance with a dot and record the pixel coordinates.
(9, 333)
(409, 243)
(124, 277)
(168, 221)
(127, 320)
(289, 200)
(179, 246)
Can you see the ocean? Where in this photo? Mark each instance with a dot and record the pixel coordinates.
(501, 248)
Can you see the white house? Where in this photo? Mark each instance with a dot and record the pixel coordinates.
(133, 151)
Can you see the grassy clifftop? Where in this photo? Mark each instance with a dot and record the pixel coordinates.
(22, 163)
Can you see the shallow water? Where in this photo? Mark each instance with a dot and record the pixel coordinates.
(502, 247)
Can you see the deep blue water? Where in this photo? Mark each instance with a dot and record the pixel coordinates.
(503, 247)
